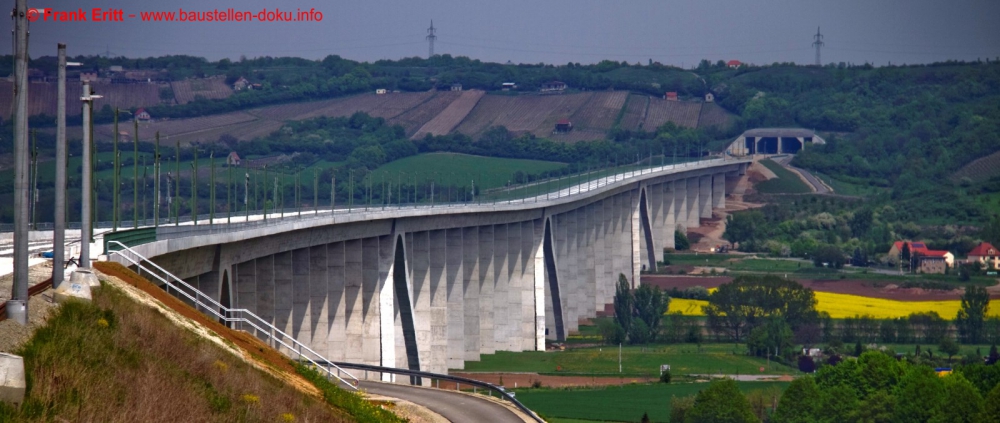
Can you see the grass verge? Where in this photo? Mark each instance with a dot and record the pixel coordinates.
(361, 409)
(785, 183)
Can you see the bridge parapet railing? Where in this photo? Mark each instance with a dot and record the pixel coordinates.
(278, 338)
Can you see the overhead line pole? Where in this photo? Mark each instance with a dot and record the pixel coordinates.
(17, 306)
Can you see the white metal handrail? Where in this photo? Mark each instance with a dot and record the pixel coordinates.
(235, 315)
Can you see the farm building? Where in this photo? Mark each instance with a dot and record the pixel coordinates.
(553, 86)
(670, 96)
(240, 84)
(456, 87)
(564, 125)
(919, 250)
(985, 253)
(932, 263)
(142, 114)
(709, 98)
(507, 86)
(733, 64)
(233, 159)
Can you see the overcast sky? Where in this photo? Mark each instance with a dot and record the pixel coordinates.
(551, 31)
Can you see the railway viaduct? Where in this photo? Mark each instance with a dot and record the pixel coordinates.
(427, 288)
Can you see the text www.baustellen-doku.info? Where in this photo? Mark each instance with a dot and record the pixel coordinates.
(97, 14)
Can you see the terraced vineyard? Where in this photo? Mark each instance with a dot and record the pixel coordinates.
(980, 169)
(714, 115)
(42, 97)
(536, 114)
(635, 112)
(600, 112)
(175, 127)
(681, 113)
(414, 118)
(451, 116)
(210, 88)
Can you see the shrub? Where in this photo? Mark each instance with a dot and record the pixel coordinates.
(806, 364)
(665, 376)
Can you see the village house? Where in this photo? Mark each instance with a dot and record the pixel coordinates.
(564, 125)
(456, 87)
(923, 259)
(733, 64)
(553, 86)
(985, 254)
(709, 98)
(670, 96)
(507, 86)
(88, 76)
(380, 91)
(240, 84)
(233, 159)
(142, 114)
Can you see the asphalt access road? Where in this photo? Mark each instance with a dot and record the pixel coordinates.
(459, 408)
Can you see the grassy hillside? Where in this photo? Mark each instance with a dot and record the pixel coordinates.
(786, 182)
(116, 360)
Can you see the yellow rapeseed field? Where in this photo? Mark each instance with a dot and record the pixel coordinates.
(845, 305)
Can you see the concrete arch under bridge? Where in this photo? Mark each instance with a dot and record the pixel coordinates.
(429, 288)
(773, 141)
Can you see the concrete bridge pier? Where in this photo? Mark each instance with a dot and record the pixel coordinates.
(431, 290)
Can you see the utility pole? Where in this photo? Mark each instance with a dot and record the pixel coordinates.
(246, 195)
(211, 189)
(194, 188)
(135, 175)
(17, 306)
(818, 43)
(177, 184)
(430, 40)
(144, 175)
(34, 180)
(86, 200)
(156, 183)
(117, 185)
(59, 220)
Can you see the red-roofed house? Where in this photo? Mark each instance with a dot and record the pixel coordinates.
(233, 159)
(986, 254)
(926, 260)
(671, 96)
(564, 125)
(142, 114)
(733, 64)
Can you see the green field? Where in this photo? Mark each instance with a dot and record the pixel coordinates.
(617, 403)
(636, 361)
(786, 182)
(461, 169)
